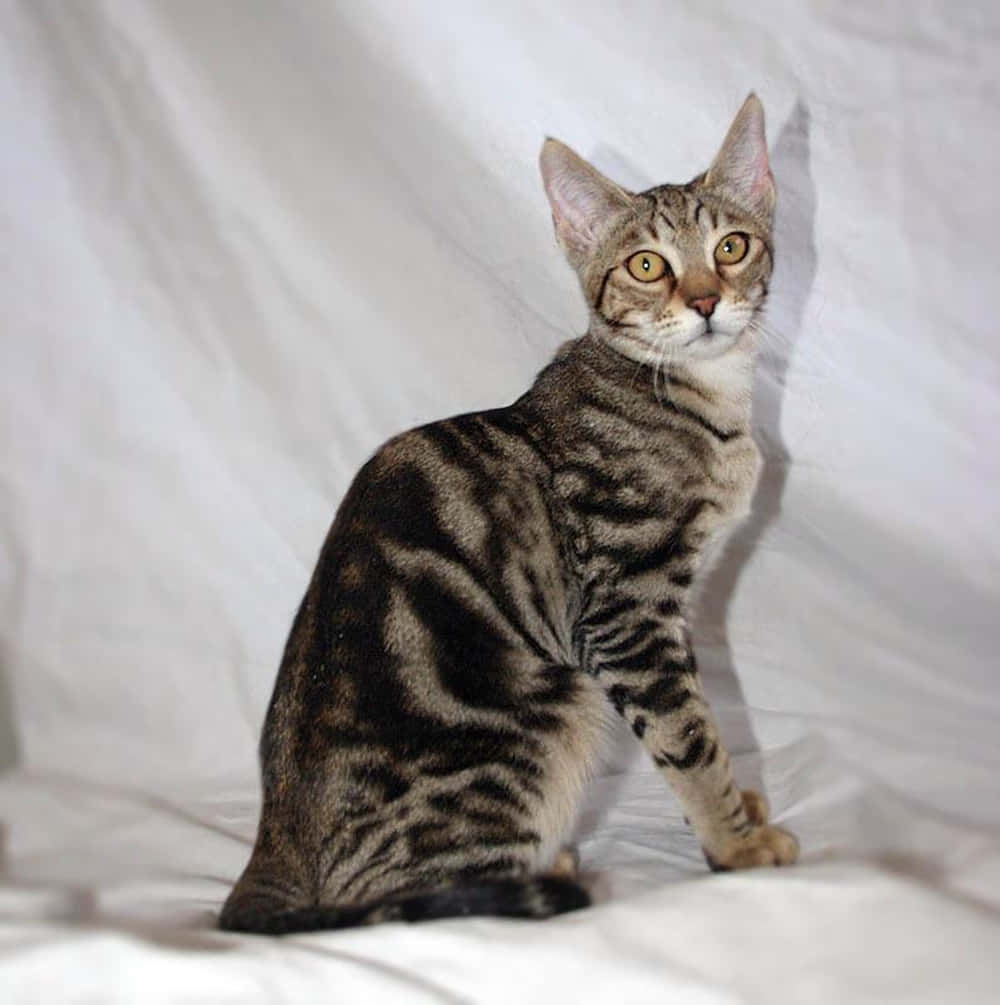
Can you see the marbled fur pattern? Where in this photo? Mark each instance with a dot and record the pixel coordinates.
(495, 585)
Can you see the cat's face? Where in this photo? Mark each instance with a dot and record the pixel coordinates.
(678, 271)
(684, 272)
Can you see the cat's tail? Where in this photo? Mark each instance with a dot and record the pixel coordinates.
(528, 897)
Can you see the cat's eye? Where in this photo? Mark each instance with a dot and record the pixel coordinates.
(647, 266)
(732, 248)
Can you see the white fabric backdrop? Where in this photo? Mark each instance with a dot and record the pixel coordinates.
(243, 243)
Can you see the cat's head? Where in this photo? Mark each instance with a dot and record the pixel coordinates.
(678, 270)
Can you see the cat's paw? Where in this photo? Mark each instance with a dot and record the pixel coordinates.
(758, 812)
(566, 864)
(763, 845)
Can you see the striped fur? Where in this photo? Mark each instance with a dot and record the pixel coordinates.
(494, 585)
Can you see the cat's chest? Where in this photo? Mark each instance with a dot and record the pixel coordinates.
(720, 469)
(648, 497)
(734, 471)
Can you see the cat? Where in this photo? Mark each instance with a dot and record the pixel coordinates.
(494, 583)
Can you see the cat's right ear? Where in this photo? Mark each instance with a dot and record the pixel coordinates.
(583, 201)
(741, 169)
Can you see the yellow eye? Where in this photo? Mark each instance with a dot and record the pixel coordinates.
(732, 248)
(647, 266)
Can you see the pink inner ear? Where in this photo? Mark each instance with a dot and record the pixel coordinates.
(762, 161)
(753, 172)
(749, 177)
(742, 165)
(581, 198)
(577, 204)
(762, 180)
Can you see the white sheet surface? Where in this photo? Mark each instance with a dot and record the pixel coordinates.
(243, 243)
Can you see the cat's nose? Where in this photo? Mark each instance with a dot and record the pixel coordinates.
(704, 305)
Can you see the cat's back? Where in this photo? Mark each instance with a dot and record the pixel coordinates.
(466, 491)
(445, 537)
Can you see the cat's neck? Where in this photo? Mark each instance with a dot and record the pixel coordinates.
(720, 387)
(726, 378)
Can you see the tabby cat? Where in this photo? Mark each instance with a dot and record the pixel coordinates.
(493, 584)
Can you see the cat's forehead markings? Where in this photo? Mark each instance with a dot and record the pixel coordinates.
(648, 220)
(704, 218)
(669, 205)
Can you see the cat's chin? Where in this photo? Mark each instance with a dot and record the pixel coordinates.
(709, 343)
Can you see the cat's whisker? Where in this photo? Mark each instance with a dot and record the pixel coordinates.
(640, 363)
(666, 358)
(770, 334)
(661, 347)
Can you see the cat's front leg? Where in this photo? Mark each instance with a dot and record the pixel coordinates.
(648, 672)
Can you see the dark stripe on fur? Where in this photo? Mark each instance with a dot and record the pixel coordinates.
(495, 791)
(662, 697)
(650, 655)
(687, 760)
(638, 561)
(720, 434)
(604, 283)
(615, 323)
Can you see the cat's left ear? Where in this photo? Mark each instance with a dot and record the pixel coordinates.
(583, 201)
(741, 169)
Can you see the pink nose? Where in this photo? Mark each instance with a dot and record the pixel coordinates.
(704, 305)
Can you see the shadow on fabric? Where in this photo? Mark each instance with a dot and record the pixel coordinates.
(9, 746)
(795, 256)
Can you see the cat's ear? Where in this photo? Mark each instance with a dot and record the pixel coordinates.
(583, 201)
(741, 169)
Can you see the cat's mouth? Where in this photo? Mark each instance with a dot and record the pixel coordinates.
(718, 335)
(707, 331)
